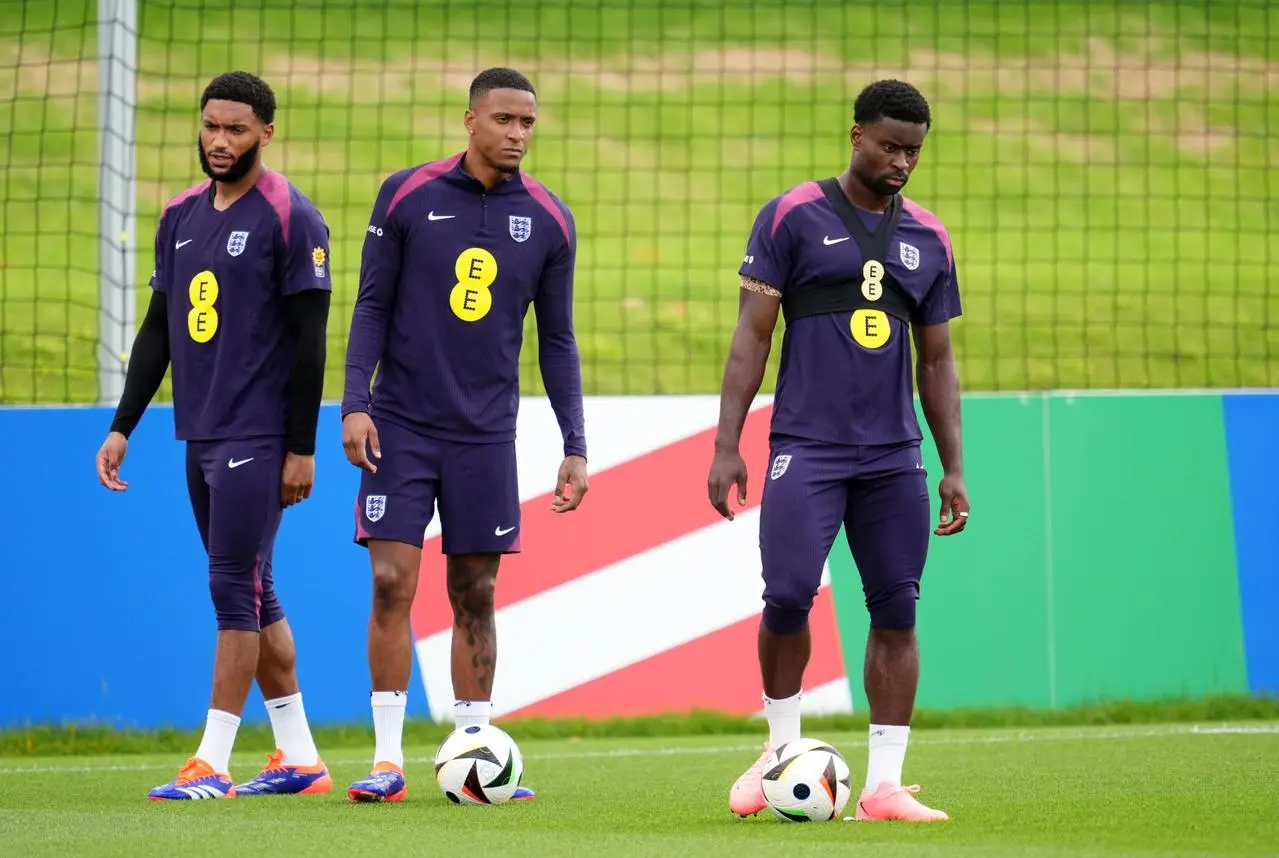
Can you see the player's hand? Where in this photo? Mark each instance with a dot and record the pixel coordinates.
(570, 484)
(110, 458)
(727, 468)
(954, 501)
(359, 437)
(298, 478)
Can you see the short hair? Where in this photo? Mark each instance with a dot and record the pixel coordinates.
(891, 99)
(499, 78)
(244, 88)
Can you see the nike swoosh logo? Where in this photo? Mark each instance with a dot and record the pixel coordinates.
(434, 216)
(500, 532)
(232, 463)
(829, 241)
(179, 245)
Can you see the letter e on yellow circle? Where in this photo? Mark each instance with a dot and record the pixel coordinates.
(202, 319)
(870, 328)
(476, 270)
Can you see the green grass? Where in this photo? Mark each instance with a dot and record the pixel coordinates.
(49, 740)
(1105, 170)
(1080, 792)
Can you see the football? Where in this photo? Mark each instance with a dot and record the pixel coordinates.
(806, 781)
(478, 765)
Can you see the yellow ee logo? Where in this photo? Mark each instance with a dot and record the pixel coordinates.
(202, 320)
(476, 271)
(872, 280)
(870, 328)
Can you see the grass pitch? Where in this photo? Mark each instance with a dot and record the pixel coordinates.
(1185, 790)
(1104, 169)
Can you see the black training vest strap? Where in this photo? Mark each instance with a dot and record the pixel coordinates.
(860, 292)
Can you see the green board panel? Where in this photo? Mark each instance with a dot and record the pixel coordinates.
(1145, 597)
(984, 595)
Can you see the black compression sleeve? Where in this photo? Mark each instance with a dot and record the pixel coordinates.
(148, 363)
(307, 315)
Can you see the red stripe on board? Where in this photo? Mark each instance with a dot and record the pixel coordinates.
(630, 508)
(718, 671)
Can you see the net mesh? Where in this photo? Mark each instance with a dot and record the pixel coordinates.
(1105, 169)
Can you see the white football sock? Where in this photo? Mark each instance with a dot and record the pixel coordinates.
(388, 726)
(219, 737)
(887, 755)
(783, 719)
(468, 712)
(292, 732)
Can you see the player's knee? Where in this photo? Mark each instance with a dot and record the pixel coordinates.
(894, 607)
(785, 619)
(270, 611)
(788, 599)
(472, 586)
(235, 600)
(392, 587)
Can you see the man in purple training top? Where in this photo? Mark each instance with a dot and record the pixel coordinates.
(239, 306)
(455, 252)
(855, 269)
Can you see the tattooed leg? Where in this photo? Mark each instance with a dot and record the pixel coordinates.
(472, 579)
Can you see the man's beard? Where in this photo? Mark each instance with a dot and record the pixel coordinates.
(884, 189)
(238, 169)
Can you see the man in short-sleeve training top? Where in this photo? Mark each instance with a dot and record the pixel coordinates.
(239, 305)
(857, 270)
(455, 253)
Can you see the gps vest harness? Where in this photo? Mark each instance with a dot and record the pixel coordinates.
(874, 288)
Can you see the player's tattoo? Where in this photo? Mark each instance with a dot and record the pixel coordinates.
(473, 617)
(750, 284)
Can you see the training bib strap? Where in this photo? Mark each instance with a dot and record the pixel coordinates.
(875, 289)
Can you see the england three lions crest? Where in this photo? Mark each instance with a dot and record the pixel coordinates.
(780, 464)
(909, 255)
(235, 243)
(374, 507)
(521, 227)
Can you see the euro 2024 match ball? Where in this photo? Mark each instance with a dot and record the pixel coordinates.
(478, 765)
(806, 781)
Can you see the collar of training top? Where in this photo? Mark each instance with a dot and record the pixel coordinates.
(458, 176)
